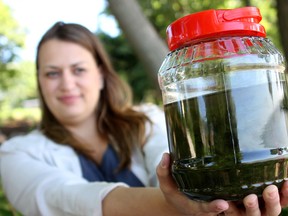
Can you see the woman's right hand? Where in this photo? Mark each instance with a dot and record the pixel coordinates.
(177, 201)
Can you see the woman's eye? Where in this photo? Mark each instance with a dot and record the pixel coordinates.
(52, 74)
(79, 70)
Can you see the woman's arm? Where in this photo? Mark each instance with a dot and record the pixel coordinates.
(41, 178)
(152, 201)
(169, 201)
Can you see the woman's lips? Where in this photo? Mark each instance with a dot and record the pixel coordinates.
(69, 99)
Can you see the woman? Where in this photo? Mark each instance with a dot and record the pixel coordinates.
(94, 153)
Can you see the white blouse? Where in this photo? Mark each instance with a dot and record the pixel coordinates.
(41, 177)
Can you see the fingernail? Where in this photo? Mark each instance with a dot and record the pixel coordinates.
(272, 194)
(222, 207)
(163, 162)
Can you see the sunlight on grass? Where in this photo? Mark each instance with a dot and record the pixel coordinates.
(29, 115)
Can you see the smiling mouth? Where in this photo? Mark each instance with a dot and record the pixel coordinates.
(68, 99)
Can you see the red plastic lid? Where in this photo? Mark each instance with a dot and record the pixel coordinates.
(214, 23)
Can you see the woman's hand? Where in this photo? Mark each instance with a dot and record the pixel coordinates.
(270, 205)
(178, 201)
(273, 201)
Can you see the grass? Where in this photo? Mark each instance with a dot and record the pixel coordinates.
(19, 114)
(12, 118)
(5, 208)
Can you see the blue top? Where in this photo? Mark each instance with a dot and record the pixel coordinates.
(107, 170)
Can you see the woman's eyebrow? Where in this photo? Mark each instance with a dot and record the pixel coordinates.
(51, 66)
(56, 67)
(77, 63)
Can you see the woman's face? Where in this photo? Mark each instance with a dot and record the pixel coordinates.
(70, 81)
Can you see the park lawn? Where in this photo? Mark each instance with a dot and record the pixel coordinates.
(5, 208)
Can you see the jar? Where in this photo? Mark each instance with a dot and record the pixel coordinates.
(225, 101)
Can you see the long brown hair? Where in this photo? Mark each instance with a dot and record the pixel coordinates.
(115, 118)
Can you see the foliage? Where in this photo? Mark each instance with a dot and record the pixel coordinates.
(5, 208)
(161, 13)
(21, 88)
(11, 40)
(128, 66)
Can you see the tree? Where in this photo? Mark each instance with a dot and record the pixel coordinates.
(11, 40)
(162, 13)
(148, 45)
(129, 67)
(134, 16)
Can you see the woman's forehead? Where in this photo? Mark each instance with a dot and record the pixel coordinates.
(54, 51)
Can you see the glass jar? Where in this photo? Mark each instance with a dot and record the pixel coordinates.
(225, 100)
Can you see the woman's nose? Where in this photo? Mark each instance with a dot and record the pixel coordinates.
(67, 81)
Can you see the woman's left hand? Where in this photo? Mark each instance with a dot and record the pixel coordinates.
(273, 200)
(271, 205)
